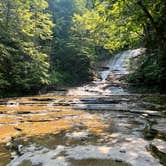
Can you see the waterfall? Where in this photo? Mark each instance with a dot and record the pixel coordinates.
(119, 63)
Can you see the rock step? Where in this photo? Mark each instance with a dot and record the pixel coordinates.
(160, 127)
(158, 148)
(115, 107)
(74, 99)
(160, 145)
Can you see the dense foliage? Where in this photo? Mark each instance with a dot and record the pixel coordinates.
(150, 69)
(25, 34)
(71, 57)
(59, 41)
(38, 46)
(122, 24)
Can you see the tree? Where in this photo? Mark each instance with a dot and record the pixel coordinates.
(70, 57)
(24, 47)
(117, 25)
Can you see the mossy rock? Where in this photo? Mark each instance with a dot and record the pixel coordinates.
(160, 155)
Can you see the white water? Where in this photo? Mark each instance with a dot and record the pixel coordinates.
(119, 63)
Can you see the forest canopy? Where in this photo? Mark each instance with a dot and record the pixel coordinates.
(59, 42)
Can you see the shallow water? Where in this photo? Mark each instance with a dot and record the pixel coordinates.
(97, 124)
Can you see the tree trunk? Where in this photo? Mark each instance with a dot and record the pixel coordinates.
(153, 23)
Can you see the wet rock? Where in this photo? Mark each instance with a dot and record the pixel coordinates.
(115, 107)
(97, 162)
(42, 120)
(160, 145)
(117, 90)
(42, 99)
(158, 148)
(13, 155)
(160, 126)
(42, 156)
(149, 112)
(12, 103)
(89, 100)
(20, 147)
(104, 100)
(103, 152)
(152, 106)
(23, 112)
(9, 145)
(78, 135)
(135, 154)
(148, 132)
(122, 151)
(105, 67)
(18, 129)
(119, 161)
(100, 107)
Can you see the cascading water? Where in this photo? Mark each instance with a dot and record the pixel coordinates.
(117, 66)
(119, 63)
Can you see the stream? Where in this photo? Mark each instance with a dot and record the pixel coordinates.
(98, 124)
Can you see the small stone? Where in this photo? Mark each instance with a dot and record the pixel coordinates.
(20, 148)
(122, 151)
(8, 144)
(18, 129)
(145, 115)
(13, 154)
(118, 161)
(82, 139)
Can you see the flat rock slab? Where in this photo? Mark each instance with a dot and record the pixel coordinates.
(160, 126)
(159, 144)
(78, 135)
(132, 151)
(114, 107)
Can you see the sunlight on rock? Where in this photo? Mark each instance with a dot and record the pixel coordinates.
(104, 149)
(12, 103)
(6, 132)
(78, 135)
(160, 145)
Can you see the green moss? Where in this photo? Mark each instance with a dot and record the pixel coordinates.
(148, 132)
(160, 155)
